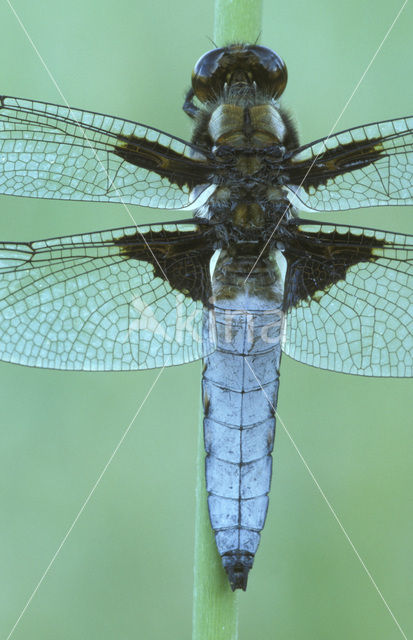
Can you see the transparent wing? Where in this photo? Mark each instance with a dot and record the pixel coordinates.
(50, 151)
(360, 167)
(349, 300)
(113, 300)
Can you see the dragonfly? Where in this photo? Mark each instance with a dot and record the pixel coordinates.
(239, 280)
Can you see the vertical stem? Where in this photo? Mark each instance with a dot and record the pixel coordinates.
(215, 607)
(237, 21)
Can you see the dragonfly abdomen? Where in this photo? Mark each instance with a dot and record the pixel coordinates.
(240, 387)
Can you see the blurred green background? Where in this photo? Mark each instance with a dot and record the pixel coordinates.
(126, 570)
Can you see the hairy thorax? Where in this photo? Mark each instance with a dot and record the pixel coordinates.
(247, 134)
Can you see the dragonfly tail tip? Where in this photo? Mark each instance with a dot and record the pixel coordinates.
(237, 565)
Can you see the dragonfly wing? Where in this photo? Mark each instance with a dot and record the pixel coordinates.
(365, 166)
(131, 298)
(349, 300)
(50, 151)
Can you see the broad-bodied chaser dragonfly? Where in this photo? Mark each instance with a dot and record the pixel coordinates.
(242, 280)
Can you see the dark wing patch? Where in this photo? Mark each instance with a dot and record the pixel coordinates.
(106, 301)
(320, 259)
(349, 299)
(360, 167)
(180, 258)
(50, 151)
(179, 170)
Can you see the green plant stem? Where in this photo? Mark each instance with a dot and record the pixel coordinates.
(237, 21)
(215, 606)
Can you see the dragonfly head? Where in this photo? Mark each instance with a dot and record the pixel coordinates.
(239, 64)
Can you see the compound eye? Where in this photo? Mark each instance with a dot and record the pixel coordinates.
(271, 69)
(204, 74)
(239, 63)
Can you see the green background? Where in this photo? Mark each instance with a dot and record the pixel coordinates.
(126, 570)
